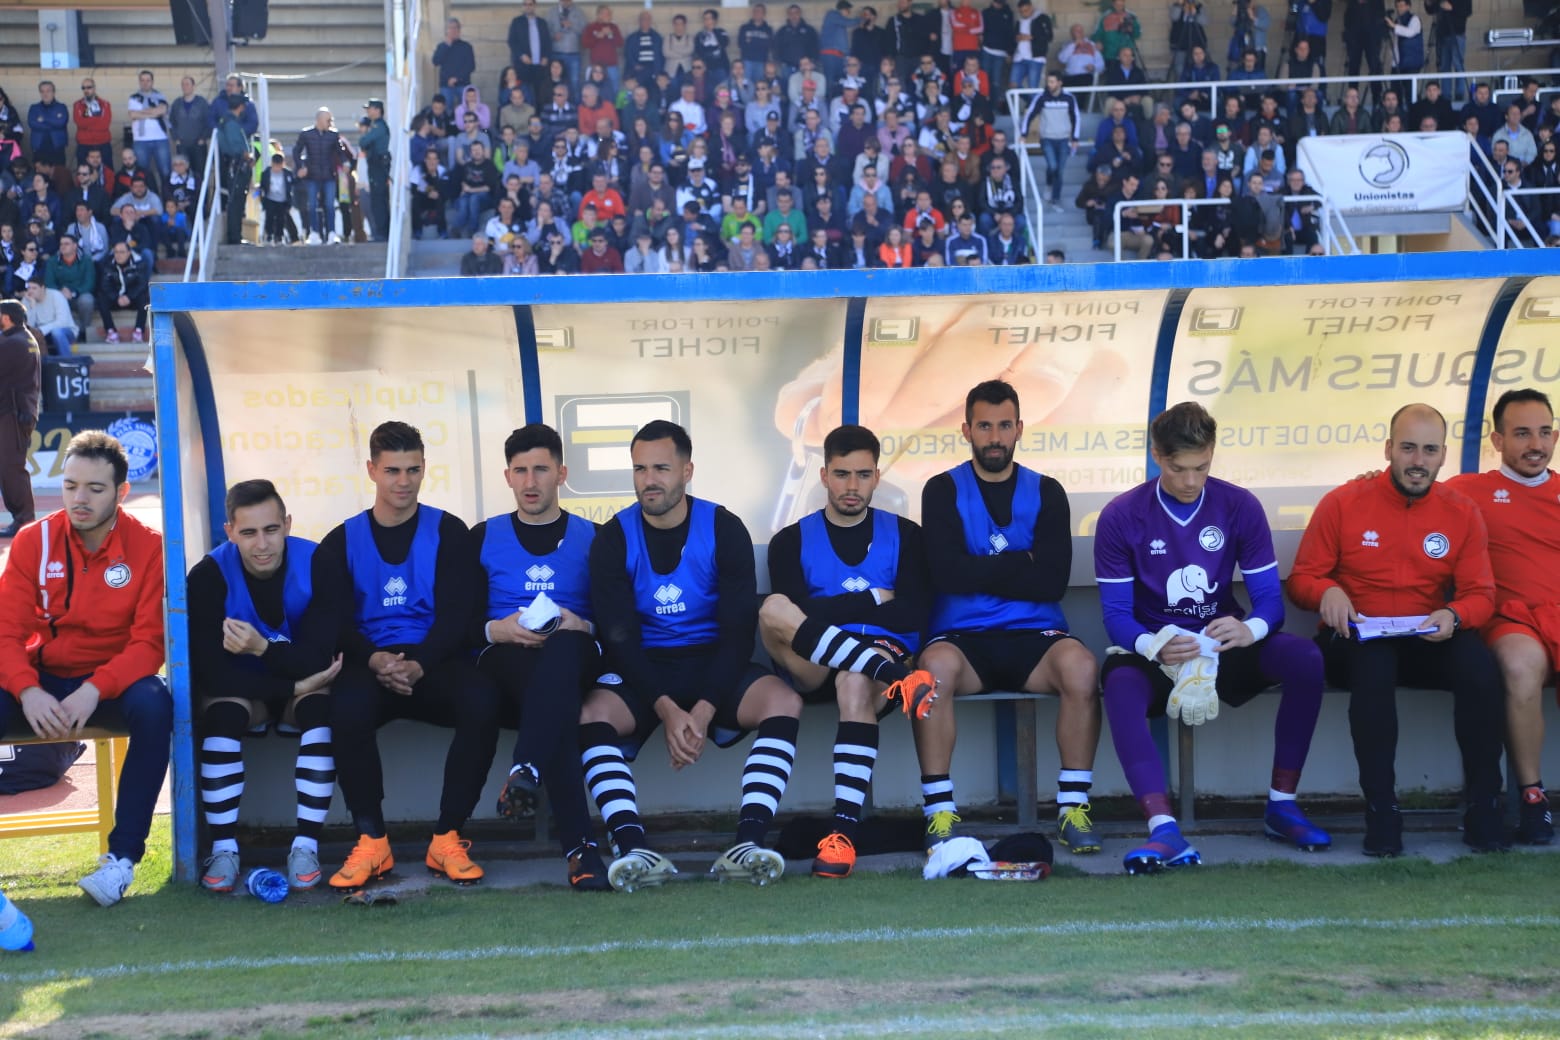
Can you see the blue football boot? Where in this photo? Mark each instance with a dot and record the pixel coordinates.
(1165, 849)
(1285, 822)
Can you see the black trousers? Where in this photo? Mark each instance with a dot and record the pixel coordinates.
(15, 481)
(1372, 671)
(453, 694)
(540, 690)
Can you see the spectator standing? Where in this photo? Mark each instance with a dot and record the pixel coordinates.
(374, 146)
(999, 37)
(276, 192)
(602, 42)
(149, 127)
(756, 39)
(643, 53)
(123, 286)
(1311, 26)
(21, 385)
(1250, 23)
(567, 22)
(530, 49)
(11, 122)
(1188, 29)
(48, 121)
(678, 47)
(1032, 41)
(1450, 20)
(237, 159)
(870, 44)
(190, 123)
(795, 40)
(834, 40)
(94, 120)
(1118, 28)
(711, 44)
(914, 34)
(967, 26)
(316, 155)
(1363, 36)
(456, 62)
(1408, 43)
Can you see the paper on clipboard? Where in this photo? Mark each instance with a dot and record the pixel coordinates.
(1368, 628)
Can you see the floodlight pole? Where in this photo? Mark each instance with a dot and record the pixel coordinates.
(221, 16)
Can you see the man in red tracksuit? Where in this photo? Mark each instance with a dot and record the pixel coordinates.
(81, 639)
(1401, 545)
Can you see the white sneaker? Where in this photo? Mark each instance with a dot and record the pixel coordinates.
(108, 882)
(314, 238)
(334, 239)
(639, 868)
(303, 868)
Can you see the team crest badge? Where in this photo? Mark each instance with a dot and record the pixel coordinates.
(117, 576)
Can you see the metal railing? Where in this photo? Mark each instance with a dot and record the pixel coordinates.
(1330, 240)
(206, 217)
(401, 95)
(1023, 101)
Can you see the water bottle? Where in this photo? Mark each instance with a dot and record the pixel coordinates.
(267, 885)
(16, 931)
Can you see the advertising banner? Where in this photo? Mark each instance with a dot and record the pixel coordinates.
(1388, 173)
(728, 372)
(299, 392)
(1527, 355)
(1080, 362)
(1304, 381)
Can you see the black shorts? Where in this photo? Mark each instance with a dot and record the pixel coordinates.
(688, 675)
(570, 658)
(827, 693)
(1240, 676)
(1003, 660)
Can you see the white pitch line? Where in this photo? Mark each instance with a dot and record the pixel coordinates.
(1041, 1021)
(834, 938)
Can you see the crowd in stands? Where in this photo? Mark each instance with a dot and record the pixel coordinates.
(82, 227)
(871, 140)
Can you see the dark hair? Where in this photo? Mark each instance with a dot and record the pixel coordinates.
(1183, 427)
(95, 444)
(842, 440)
(992, 391)
(14, 310)
(532, 436)
(1522, 396)
(660, 430)
(248, 493)
(394, 436)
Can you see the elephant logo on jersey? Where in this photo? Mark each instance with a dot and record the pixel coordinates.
(395, 592)
(1190, 582)
(540, 578)
(1211, 538)
(999, 543)
(856, 583)
(668, 600)
(1437, 545)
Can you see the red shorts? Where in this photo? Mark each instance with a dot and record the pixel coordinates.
(1541, 623)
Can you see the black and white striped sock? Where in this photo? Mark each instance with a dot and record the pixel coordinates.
(764, 776)
(936, 794)
(611, 784)
(1072, 788)
(314, 777)
(221, 789)
(855, 753)
(835, 648)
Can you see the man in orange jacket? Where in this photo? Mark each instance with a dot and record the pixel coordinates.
(1521, 507)
(1401, 545)
(81, 639)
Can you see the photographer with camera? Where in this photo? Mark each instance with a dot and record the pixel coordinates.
(1408, 43)
(1250, 22)
(1363, 36)
(1118, 28)
(1449, 20)
(1188, 29)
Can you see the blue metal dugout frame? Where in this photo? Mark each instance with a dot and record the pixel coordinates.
(173, 329)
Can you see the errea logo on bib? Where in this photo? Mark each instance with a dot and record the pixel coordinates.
(539, 577)
(395, 592)
(856, 583)
(668, 600)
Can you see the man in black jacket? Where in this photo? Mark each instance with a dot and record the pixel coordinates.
(21, 379)
(1364, 30)
(315, 158)
(122, 285)
(530, 45)
(1450, 18)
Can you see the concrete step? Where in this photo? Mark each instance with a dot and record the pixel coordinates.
(299, 263)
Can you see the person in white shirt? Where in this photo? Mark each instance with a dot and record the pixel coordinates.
(1081, 59)
(149, 128)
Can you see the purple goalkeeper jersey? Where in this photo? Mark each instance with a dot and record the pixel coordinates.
(1181, 570)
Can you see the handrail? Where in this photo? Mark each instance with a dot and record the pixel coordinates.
(1329, 241)
(203, 220)
(401, 69)
(1243, 86)
(1511, 200)
(1033, 205)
